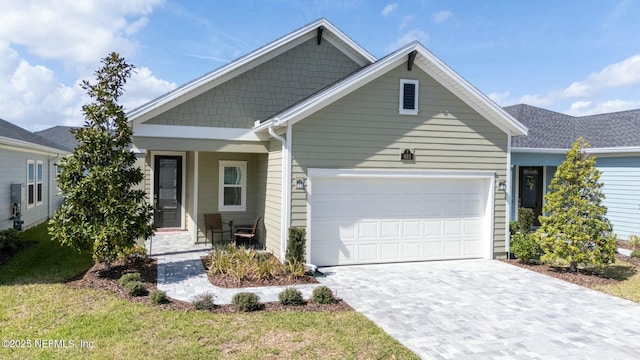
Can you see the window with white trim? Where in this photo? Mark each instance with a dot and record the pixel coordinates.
(39, 171)
(232, 188)
(31, 183)
(408, 97)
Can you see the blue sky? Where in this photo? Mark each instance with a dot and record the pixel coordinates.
(570, 56)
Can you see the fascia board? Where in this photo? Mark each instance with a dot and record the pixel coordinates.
(609, 150)
(195, 132)
(472, 96)
(25, 146)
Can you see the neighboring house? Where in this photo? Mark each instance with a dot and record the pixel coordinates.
(615, 142)
(60, 135)
(28, 163)
(381, 160)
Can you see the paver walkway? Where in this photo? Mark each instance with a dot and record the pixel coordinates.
(485, 309)
(182, 276)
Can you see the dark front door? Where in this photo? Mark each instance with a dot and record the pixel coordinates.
(168, 191)
(531, 190)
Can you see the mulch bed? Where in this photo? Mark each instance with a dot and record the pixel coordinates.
(97, 278)
(583, 277)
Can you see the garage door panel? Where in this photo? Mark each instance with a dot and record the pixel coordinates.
(372, 220)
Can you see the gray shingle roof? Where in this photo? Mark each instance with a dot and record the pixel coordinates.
(552, 130)
(15, 132)
(61, 135)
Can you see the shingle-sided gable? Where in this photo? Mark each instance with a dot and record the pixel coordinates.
(264, 90)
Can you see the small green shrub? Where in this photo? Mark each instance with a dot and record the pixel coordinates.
(246, 301)
(269, 268)
(514, 227)
(10, 240)
(525, 219)
(291, 296)
(296, 245)
(136, 252)
(526, 247)
(158, 296)
(135, 288)
(635, 254)
(323, 295)
(634, 241)
(129, 277)
(204, 301)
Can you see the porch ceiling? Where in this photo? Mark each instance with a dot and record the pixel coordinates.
(172, 144)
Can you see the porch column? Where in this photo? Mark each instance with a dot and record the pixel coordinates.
(194, 218)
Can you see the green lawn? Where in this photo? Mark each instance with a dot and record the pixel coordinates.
(37, 308)
(629, 286)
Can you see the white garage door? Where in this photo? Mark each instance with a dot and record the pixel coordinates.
(358, 220)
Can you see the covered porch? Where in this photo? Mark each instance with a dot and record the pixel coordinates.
(532, 174)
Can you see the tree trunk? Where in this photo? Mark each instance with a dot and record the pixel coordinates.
(573, 266)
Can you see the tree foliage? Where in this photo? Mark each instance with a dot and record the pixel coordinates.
(574, 226)
(102, 212)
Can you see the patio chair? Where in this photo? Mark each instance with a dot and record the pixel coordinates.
(213, 223)
(247, 232)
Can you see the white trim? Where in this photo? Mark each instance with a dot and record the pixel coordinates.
(244, 64)
(283, 190)
(40, 182)
(607, 150)
(182, 154)
(31, 205)
(487, 176)
(508, 198)
(416, 101)
(195, 132)
(26, 146)
(194, 216)
(288, 185)
(243, 185)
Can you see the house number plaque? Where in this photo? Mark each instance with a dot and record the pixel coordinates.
(407, 154)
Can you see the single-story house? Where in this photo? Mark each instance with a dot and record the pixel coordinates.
(28, 179)
(380, 160)
(614, 142)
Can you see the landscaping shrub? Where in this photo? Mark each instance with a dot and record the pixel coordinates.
(291, 296)
(133, 253)
(158, 296)
(525, 219)
(204, 301)
(135, 288)
(221, 259)
(10, 240)
(525, 247)
(514, 227)
(323, 295)
(127, 278)
(296, 245)
(635, 254)
(269, 268)
(634, 241)
(246, 301)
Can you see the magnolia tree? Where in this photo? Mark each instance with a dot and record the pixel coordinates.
(102, 212)
(574, 226)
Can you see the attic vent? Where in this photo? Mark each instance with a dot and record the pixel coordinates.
(408, 97)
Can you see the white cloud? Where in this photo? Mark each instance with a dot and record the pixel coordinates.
(390, 8)
(500, 98)
(43, 45)
(442, 16)
(415, 34)
(144, 86)
(582, 108)
(405, 22)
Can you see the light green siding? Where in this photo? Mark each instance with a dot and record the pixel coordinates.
(273, 190)
(365, 130)
(208, 175)
(264, 90)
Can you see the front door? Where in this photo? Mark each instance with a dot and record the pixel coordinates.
(531, 190)
(168, 191)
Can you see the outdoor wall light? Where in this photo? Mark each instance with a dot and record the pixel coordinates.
(300, 184)
(502, 186)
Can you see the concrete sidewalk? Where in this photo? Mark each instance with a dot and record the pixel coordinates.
(182, 276)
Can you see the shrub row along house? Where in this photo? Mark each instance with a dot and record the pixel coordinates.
(380, 160)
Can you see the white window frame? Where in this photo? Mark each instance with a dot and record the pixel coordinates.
(243, 185)
(31, 184)
(39, 182)
(401, 108)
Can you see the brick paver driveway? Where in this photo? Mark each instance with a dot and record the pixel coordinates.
(485, 309)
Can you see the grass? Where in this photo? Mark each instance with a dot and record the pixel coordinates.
(629, 285)
(36, 305)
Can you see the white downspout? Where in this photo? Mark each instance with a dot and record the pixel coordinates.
(508, 198)
(51, 176)
(284, 191)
